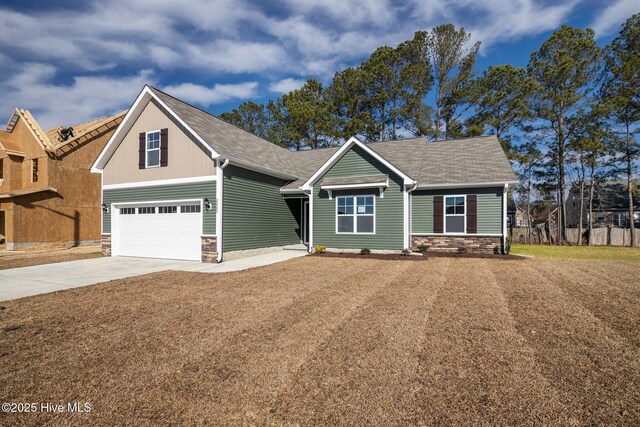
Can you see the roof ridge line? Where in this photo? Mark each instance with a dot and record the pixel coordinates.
(99, 123)
(216, 117)
(35, 129)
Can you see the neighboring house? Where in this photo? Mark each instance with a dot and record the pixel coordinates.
(47, 192)
(181, 183)
(610, 205)
(518, 216)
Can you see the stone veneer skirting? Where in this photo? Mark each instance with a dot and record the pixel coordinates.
(209, 248)
(106, 244)
(477, 244)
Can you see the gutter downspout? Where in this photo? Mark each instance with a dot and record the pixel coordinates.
(505, 250)
(409, 214)
(309, 193)
(219, 192)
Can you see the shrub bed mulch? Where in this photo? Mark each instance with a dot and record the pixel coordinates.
(431, 254)
(443, 254)
(388, 257)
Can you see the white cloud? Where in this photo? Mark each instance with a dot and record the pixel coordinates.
(353, 12)
(103, 44)
(198, 94)
(87, 98)
(234, 56)
(286, 85)
(613, 16)
(497, 21)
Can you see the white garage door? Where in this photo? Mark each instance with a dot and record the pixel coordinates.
(158, 231)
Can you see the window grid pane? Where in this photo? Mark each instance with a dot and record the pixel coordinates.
(153, 140)
(147, 210)
(365, 224)
(190, 209)
(167, 209)
(455, 214)
(345, 224)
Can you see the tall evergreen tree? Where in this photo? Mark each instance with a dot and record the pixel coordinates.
(453, 70)
(563, 71)
(251, 117)
(383, 97)
(501, 95)
(304, 117)
(621, 94)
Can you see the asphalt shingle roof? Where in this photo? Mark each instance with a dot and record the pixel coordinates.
(460, 161)
(368, 179)
(228, 140)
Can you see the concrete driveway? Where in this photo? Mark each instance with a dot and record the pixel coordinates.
(40, 279)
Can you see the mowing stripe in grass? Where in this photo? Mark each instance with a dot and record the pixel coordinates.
(363, 372)
(588, 362)
(257, 361)
(475, 368)
(609, 295)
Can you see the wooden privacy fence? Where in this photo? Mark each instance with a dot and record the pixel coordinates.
(604, 236)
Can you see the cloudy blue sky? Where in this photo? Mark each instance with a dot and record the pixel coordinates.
(71, 61)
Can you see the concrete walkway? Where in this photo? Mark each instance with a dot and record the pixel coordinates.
(245, 263)
(40, 279)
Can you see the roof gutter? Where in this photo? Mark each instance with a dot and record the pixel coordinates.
(466, 185)
(261, 169)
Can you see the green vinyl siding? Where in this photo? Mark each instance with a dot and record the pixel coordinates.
(389, 210)
(255, 215)
(489, 209)
(196, 190)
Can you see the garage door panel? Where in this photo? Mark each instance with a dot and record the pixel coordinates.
(159, 235)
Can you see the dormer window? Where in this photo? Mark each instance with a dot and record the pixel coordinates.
(153, 149)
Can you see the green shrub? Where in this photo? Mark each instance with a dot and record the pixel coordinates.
(462, 250)
(365, 251)
(423, 247)
(319, 249)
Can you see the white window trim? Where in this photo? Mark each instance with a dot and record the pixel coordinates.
(444, 215)
(147, 149)
(355, 215)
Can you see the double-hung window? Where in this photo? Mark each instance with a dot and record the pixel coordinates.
(355, 214)
(620, 219)
(153, 149)
(454, 214)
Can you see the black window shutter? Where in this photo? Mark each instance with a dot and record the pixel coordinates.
(142, 150)
(472, 214)
(164, 147)
(438, 226)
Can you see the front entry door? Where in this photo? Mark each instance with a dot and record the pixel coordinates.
(305, 223)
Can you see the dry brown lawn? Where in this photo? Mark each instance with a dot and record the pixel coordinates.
(330, 341)
(27, 259)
